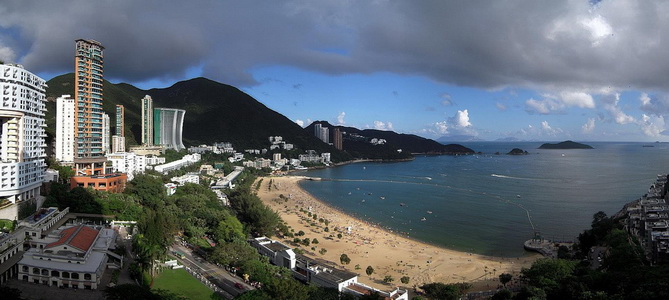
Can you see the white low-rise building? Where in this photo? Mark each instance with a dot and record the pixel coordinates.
(152, 160)
(73, 257)
(128, 162)
(187, 160)
(278, 253)
(188, 178)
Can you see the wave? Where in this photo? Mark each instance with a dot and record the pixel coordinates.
(511, 177)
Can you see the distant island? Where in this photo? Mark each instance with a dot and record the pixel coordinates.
(565, 145)
(517, 151)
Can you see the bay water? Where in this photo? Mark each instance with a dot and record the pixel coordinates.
(490, 204)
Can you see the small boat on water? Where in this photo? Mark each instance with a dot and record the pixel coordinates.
(363, 200)
(517, 196)
(429, 212)
(402, 204)
(382, 198)
(423, 219)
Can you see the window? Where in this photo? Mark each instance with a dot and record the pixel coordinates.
(87, 276)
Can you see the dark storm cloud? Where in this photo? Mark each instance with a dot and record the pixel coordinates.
(489, 44)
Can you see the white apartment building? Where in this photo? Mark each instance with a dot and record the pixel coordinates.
(187, 160)
(152, 160)
(65, 129)
(118, 144)
(22, 145)
(128, 162)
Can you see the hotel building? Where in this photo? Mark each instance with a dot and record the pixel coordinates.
(65, 129)
(147, 121)
(168, 126)
(22, 145)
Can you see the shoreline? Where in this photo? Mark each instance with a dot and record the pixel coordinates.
(390, 253)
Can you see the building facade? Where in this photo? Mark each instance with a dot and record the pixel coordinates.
(65, 129)
(73, 257)
(128, 162)
(168, 127)
(89, 153)
(106, 133)
(22, 145)
(147, 121)
(338, 139)
(120, 120)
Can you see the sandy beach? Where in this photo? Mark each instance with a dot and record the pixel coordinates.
(370, 245)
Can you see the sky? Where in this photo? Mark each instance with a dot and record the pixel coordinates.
(529, 70)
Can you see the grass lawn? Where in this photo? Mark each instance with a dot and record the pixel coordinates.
(180, 282)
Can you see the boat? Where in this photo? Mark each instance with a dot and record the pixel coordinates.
(423, 219)
(382, 198)
(517, 196)
(402, 204)
(429, 212)
(363, 200)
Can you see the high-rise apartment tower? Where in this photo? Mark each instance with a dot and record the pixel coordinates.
(89, 152)
(147, 121)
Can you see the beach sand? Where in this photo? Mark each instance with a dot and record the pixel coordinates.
(370, 245)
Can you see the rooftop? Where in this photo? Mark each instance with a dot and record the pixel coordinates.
(80, 237)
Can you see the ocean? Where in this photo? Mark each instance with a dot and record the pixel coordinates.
(490, 204)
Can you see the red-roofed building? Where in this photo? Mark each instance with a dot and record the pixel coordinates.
(75, 239)
(73, 257)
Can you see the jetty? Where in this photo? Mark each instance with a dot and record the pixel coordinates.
(545, 247)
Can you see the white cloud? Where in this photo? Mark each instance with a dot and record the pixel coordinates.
(552, 103)
(589, 126)
(578, 99)
(652, 125)
(610, 104)
(500, 106)
(550, 131)
(461, 119)
(383, 125)
(441, 127)
(299, 122)
(7, 54)
(340, 118)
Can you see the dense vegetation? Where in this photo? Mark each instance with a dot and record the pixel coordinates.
(624, 272)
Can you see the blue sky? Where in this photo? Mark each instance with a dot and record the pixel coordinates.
(531, 70)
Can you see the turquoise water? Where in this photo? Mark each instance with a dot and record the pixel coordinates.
(480, 203)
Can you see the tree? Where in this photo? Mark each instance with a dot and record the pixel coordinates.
(344, 259)
(405, 279)
(369, 271)
(388, 279)
(548, 274)
(504, 278)
(503, 294)
(438, 290)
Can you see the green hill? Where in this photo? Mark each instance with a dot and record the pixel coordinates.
(357, 143)
(215, 112)
(565, 145)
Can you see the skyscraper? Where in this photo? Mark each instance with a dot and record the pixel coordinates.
(147, 121)
(120, 120)
(65, 129)
(118, 139)
(337, 139)
(168, 125)
(92, 124)
(89, 154)
(22, 145)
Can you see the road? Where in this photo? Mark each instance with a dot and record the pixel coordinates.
(215, 274)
